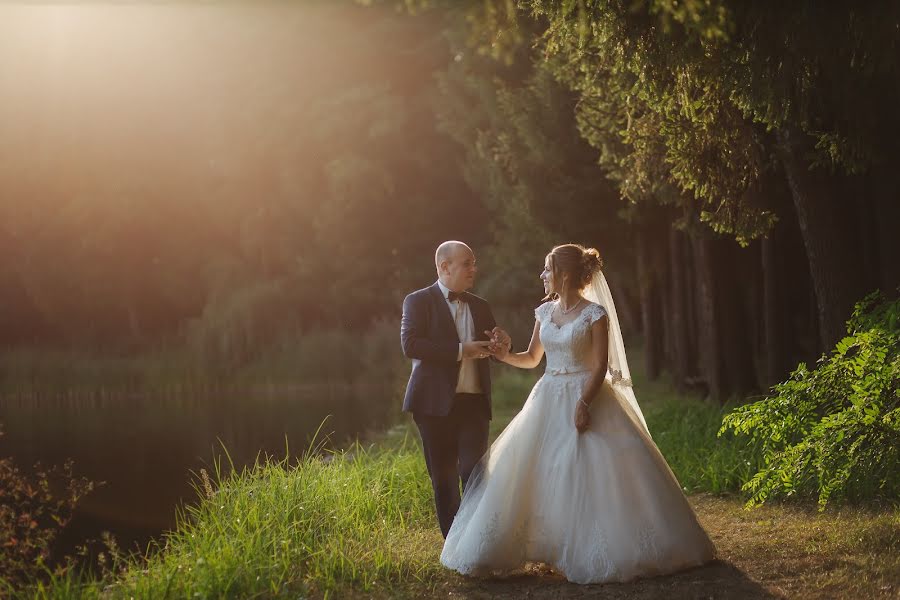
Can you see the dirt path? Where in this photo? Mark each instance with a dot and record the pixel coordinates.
(771, 552)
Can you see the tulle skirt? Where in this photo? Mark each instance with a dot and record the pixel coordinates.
(598, 506)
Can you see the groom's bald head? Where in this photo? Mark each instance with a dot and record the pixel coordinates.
(455, 264)
(447, 251)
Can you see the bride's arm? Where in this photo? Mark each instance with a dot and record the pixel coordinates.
(531, 357)
(600, 352)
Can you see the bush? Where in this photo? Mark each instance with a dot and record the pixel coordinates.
(33, 509)
(833, 432)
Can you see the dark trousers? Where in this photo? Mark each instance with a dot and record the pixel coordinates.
(453, 445)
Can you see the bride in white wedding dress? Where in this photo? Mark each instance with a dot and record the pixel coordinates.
(575, 481)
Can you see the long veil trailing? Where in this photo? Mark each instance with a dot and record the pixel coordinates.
(619, 376)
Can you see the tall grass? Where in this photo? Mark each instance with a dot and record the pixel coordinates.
(685, 432)
(360, 518)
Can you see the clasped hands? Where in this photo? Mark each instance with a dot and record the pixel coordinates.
(497, 346)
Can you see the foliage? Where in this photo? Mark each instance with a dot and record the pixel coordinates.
(667, 132)
(833, 432)
(33, 509)
(293, 191)
(682, 98)
(236, 325)
(538, 180)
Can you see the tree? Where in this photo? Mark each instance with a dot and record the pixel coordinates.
(729, 88)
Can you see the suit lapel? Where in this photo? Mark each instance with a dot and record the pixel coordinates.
(477, 317)
(443, 312)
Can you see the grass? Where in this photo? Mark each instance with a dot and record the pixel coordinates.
(799, 552)
(685, 431)
(279, 530)
(360, 523)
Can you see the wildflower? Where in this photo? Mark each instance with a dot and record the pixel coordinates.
(207, 485)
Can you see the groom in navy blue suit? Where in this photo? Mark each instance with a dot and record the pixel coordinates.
(448, 333)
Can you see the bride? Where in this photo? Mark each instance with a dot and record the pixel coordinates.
(574, 481)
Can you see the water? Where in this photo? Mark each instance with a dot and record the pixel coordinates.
(144, 446)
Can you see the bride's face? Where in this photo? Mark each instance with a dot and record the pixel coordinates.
(547, 278)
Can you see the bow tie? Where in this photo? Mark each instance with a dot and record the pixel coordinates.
(461, 296)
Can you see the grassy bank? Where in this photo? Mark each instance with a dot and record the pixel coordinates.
(361, 523)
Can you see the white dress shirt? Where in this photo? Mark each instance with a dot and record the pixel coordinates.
(468, 381)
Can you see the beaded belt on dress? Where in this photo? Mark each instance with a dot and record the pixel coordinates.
(566, 370)
(615, 377)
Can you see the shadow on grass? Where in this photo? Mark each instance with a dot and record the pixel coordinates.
(718, 579)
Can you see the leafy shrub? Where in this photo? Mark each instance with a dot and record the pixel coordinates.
(33, 509)
(833, 432)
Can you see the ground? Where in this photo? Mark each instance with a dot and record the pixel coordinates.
(776, 551)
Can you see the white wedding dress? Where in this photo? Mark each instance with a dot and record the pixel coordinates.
(598, 506)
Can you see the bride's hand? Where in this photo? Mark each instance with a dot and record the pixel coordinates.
(582, 417)
(500, 343)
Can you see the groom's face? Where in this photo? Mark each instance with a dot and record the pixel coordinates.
(460, 270)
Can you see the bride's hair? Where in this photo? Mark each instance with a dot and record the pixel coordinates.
(576, 261)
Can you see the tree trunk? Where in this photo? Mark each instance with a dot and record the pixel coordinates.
(627, 304)
(676, 314)
(727, 283)
(827, 219)
(784, 269)
(737, 278)
(772, 307)
(651, 292)
(867, 233)
(886, 201)
(691, 306)
(708, 350)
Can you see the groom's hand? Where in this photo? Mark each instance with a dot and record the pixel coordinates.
(476, 349)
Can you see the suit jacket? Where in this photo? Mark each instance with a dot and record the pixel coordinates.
(428, 336)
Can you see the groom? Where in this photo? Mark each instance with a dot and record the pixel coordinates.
(448, 332)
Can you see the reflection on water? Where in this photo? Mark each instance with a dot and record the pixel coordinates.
(144, 446)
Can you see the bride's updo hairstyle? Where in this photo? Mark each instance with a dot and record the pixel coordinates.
(580, 264)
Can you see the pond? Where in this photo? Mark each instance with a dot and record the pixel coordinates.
(144, 446)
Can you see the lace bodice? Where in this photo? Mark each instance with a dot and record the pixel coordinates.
(568, 346)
